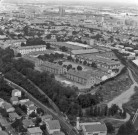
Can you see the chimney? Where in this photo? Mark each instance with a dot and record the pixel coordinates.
(78, 123)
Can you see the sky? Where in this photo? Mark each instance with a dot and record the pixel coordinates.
(85, 1)
(111, 1)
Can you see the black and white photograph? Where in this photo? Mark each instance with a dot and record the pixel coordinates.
(68, 67)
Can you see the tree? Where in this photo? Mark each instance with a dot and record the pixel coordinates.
(24, 108)
(60, 62)
(63, 49)
(33, 115)
(48, 46)
(110, 128)
(79, 68)
(48, 36)
(77, 60)
(94, 65)
(40, 111)
(19, 55)
(127, 129)
(69, 58)
(37, 121)
(4, 113)
(69, 67)
(74, 32)
(114, 109)
(85, 62)
(23, 44)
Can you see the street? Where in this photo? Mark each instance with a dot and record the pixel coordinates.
(62, 121)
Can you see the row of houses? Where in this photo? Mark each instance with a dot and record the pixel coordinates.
(102, 62)
(52, 126)
(28, 49)
(53, 68)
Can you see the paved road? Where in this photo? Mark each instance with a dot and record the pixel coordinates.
(62, 121)
(125, 96)
(121, 120)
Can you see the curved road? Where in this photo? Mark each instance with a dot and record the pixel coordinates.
(125, 96)
(62, 121)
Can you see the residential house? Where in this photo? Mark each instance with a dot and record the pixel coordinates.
(87, 40)
(46, 118)
(14, 100)
(1, 102)
(3, 122)
(29, 104)
(23, 101)
(53, 126)
(34, 131)
(13, 116)
(58, 133)
(16, 93)
(94, 128)
(8, 107)
(3, 133)
(28, 123)
(31, 109)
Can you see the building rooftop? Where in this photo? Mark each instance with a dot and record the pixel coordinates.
(86, 74)
(14, 98)
(34, 130)
(7, 105)
(78, 44)
(70, 46)
(31, 47)
(54, 124)
(87, 51)
(28, 103)
(27, 122)
(15, 90)
(47, 117)
(14, 115)
(32, 108)
(51, 65)
(93, 127)
(3, 133)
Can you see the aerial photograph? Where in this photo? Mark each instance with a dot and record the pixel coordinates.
(68, 67)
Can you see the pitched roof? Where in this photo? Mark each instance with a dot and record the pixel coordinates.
(7, 105)
(15, 90)
(27, 122)
(34, 130)
(14, 98)
(47, 117)
(28, 103)
(53, 124)
(87, 51)
(94, 127)
(51, 65)
(14, 115)
(1, 100)
(32, 108)
(58, 133)
(3, 133)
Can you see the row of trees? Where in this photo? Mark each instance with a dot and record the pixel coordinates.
(100, 111)
(51, 57)
(94, 65)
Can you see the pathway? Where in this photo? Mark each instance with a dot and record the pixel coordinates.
(125, 96)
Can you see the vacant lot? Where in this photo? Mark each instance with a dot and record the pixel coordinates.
(114, 88)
